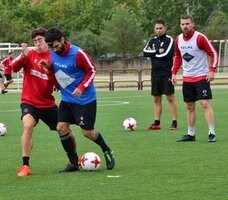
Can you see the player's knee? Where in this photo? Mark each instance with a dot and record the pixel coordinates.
(62, 129)
(89, 134)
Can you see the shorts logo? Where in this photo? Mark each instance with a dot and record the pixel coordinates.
(26, 110)
(81, 123)
(204, 92)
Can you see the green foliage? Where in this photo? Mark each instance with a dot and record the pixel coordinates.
(218, 20)
(123, 34)
(102, 18)
(89, 41)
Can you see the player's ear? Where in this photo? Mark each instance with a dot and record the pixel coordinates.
(62, 40)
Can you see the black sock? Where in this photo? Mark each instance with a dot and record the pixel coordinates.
(68, 146)
(174, 122)
(157, 122)
(100, 141)
(25, 160)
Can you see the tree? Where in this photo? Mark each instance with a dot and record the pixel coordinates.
(123, 34)
(89, 41)
(218, 21)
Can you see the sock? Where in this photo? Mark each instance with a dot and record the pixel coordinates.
(100, 141)
(69, 147)
(157, 122)
(191, 131)
(174, 122)
(211, 129)
(25, 160)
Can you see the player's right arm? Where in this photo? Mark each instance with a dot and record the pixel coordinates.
(21, 60)
(149, 50)
(177, 62)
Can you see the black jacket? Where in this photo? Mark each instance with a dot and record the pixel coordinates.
(160, 50)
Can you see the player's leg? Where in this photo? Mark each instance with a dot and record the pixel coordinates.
(2, 86)
(157, 108)
(86, 121)
(65, 118)
(189, 96)
(168, 90)
(208, 112)
(173, 110)
(157, 103)
(29, 122)
(97, 138)
(9, 80)
(205, 94)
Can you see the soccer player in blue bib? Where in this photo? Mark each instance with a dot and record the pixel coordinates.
(75, 72)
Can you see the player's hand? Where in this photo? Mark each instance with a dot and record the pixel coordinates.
(210, 76)
(174, 79)
(45, 65)
(77, 92)
(25, 50)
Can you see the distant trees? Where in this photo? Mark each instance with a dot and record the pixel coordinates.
(109, 26)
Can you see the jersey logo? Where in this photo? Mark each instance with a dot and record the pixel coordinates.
(187, 57)
(63, 79)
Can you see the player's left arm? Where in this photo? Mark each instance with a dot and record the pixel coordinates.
(204, 44)
(85, 63)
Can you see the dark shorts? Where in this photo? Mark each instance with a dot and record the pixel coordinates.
(47, 115)
(196, 91)
(81, 115)
(161, 85)
(8, 77)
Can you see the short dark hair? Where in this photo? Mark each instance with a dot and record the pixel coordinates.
(160, 21)
(185, 16)
(53, 34)
(38, 31)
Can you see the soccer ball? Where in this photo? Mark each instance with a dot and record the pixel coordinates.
(130, 124)
(90, 161)
(3, 129)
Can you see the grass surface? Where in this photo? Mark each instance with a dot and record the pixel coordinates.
(149, 164)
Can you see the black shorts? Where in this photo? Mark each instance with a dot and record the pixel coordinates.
(161, 85)
(47, 115)
(81, 115)
(8, 77)
(196, 91)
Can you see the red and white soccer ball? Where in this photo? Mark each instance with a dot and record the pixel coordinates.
(3, 129)
(90, 161)
(130, 124)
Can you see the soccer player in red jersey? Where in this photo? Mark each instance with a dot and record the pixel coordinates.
(37, 101)
(7, 68)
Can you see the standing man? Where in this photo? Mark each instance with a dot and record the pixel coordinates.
(160, 50)
(7, 68)
(75, 71)
(37, 101)
(192, 50)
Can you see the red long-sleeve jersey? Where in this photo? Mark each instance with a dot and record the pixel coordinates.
(6, 65)
(37, 84)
